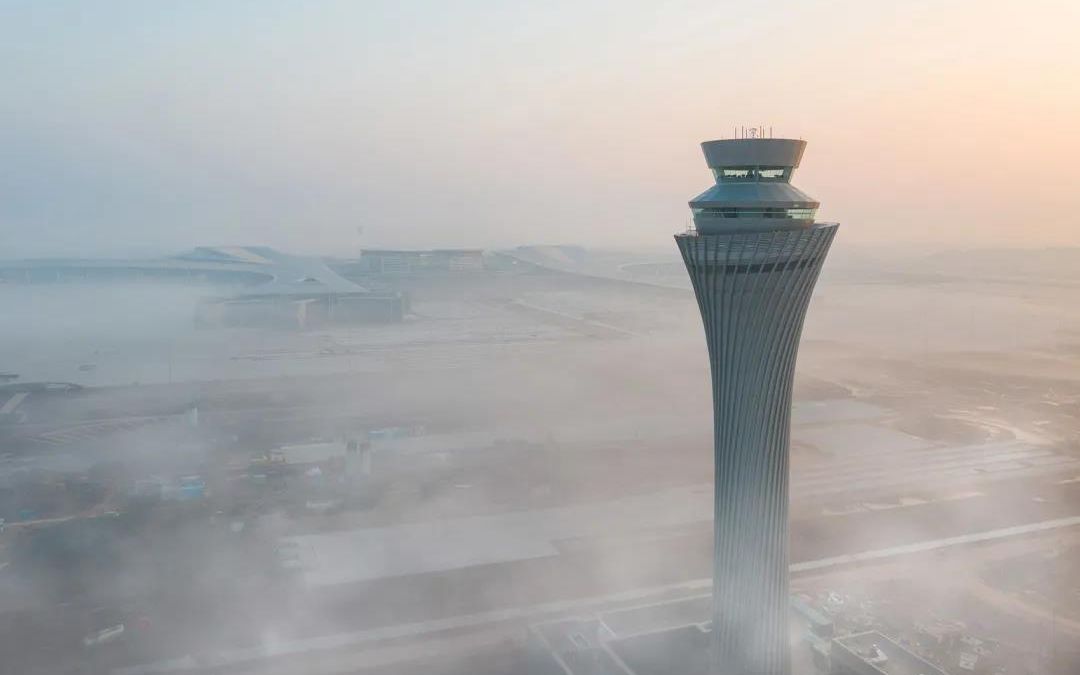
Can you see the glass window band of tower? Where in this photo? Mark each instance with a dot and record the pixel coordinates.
(755, 212)
(752, 174)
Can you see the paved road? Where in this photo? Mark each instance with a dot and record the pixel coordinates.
(521, 615)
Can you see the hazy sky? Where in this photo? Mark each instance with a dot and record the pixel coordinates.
(151, 126)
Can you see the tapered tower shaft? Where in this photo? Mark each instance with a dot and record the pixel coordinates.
(753, 259)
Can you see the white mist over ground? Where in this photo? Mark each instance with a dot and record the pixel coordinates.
(537, 437)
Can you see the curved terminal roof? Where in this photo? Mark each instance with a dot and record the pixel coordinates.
(261, 270)
(289, 274)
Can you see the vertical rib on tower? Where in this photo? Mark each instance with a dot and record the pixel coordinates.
(753, 275)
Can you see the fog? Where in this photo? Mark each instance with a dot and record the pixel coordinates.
(352, 338)
(538, 441)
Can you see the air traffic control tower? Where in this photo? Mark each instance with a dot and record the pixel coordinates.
(753, 255)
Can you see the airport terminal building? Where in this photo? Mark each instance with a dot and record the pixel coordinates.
(246, 285)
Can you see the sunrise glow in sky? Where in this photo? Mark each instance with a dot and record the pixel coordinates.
(327, 126)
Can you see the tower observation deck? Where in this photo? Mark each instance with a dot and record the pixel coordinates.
(753, 258)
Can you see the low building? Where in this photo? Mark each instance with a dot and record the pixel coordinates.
(673, 637)
(405, 262)
(253, 285)
(572, 647)
(351, 456)
(871, 653)
(656, 639)
(181, 489)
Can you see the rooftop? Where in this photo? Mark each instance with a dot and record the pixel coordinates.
(874, 654)
(261, 270)
(737, 152)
